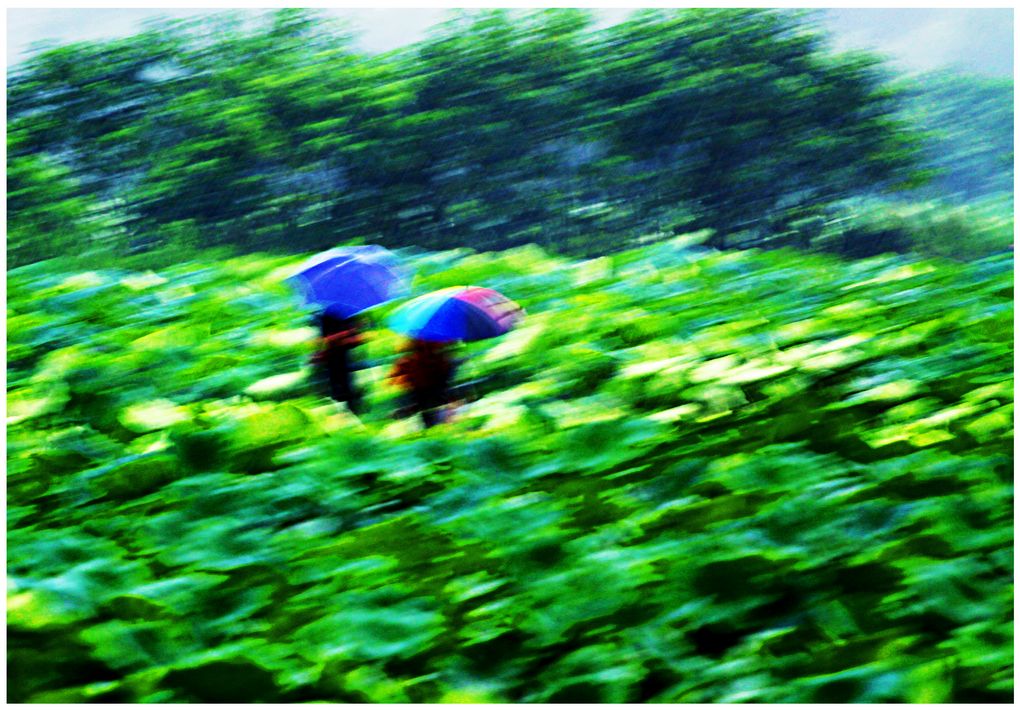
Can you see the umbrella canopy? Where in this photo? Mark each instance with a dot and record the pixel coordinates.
(457, 313)
(351, 279)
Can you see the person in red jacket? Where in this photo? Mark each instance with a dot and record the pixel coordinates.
(339, 336)
(424, 372)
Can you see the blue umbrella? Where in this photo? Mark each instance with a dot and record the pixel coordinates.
(457, 313)
(351, 279)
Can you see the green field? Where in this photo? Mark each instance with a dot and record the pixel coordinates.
(689, 476)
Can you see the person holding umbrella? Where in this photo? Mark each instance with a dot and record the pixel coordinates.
(433, 322)
(345, 282)
(424, 373)
(340, 334)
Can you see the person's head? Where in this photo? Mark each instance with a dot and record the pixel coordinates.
(336, 317)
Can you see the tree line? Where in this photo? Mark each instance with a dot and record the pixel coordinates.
(500, 128)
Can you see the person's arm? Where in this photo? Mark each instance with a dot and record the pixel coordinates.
(349, 338)
(399, 372)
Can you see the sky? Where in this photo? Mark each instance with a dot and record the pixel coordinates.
(914, 39)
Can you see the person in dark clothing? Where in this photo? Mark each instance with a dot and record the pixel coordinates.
(339, 336)
(424, 372)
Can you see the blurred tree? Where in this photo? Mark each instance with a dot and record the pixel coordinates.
(501, 128)
(969, 125)
(499, 105)
(47, 215)
(742, 113)
(87, 104)
(230, 156)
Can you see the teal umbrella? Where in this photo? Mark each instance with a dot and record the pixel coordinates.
(457, 313)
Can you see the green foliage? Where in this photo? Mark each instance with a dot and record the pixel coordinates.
(939, 229)
(503, 128)
(739, 112)
(51, 217)
(688, 477)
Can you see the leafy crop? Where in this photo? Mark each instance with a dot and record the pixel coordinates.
(689, 477)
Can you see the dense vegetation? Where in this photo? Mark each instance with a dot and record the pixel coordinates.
(496, 131)
(690, 476)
